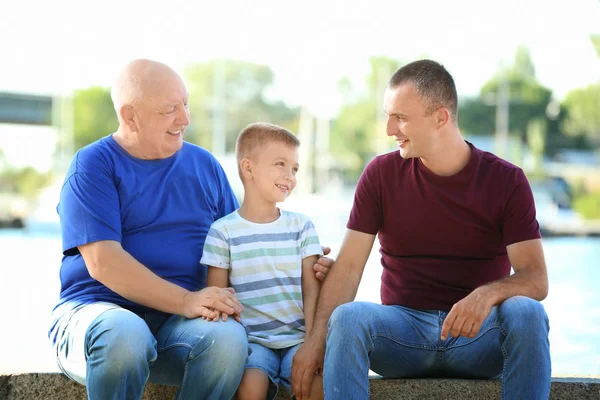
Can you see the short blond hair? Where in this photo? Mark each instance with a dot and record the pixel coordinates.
(258, 135)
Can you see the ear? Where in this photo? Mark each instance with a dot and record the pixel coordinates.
(442, 117)
(246, 168)
(128, 117)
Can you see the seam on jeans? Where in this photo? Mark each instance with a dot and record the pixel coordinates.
(476, 338)
(402, 342)
(504, 357)
(171, 346)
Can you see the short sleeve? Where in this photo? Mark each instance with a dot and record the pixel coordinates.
(227, 202)
(309, 240)
(367, 213)
(520, 223)
(89, 207)
(216, 251)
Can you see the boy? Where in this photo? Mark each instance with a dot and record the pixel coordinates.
(267, 255)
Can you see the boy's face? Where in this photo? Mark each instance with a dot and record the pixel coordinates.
(274, 169)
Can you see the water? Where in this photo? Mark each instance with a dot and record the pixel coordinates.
(29, 286)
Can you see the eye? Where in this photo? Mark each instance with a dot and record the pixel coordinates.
(280, 163)
(295, 170)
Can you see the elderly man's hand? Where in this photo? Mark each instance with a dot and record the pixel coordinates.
(323, 265)
(203, 302)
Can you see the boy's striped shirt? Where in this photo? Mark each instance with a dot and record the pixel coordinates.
(265, 269)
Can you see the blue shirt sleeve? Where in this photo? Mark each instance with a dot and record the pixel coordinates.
(228, 202)
(89, 206)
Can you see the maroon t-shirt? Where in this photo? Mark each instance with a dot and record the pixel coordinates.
(442, 237)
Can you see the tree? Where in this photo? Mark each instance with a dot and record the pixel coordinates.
(93, 116)
(358, 132)
(238, 101)
(583, 112)
(528, 99)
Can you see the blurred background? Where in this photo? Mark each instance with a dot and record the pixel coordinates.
(527, 74)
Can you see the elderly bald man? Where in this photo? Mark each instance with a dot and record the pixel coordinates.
(135, 210)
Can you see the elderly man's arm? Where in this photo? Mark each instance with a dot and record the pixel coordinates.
(116, 269)
(340, 287)
(530, 279)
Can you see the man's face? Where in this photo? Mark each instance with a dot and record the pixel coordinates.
(406, 121)
(162, 116)
(274, 169)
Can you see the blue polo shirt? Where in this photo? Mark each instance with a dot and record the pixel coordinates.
(159, 210)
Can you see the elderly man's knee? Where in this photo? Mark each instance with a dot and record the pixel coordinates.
(121, 339)
(229, 343)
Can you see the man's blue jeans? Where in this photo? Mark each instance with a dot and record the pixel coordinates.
(124, 350)
(399, 342)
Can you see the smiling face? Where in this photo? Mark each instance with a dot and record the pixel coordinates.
(162, 115)
(270, 172)
(414, 131)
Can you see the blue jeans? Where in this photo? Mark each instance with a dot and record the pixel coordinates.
(124, 350)
(276, 363)
(400, 342)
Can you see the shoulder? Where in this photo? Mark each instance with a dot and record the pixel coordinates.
(94, 157)
(499, 168)
(226, 221)
(300, 220)
(193, 151)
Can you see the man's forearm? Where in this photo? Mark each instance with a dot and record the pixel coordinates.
(525, 282)
(123, 274)
(340, 287)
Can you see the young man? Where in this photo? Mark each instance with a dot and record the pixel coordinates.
(451, 221)
(267, 255)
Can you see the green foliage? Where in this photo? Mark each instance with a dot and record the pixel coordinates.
(596, 42)
(93, 116)
(242, 96)
(243, 100)
(358, 130)
(583, 112)
(528, 100)
(26, 182)
(588, 205)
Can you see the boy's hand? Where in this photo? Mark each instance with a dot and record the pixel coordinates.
(323, 265)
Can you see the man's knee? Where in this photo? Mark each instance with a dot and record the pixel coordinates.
(350, 317)
(121, 339)
(523, 312)
(226, 343)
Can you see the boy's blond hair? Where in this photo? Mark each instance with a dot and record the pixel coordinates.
(258, 135)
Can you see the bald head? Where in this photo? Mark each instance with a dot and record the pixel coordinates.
(139, 79)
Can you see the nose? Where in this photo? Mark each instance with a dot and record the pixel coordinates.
(183, 117)
(391, 128)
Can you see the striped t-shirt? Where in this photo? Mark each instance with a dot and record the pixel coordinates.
(265, 269)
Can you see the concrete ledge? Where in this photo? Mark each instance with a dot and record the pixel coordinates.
(58, 387)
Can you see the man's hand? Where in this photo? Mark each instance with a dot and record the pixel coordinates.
(203, 302)
(466, 316)
(308, 360)
(323, 265)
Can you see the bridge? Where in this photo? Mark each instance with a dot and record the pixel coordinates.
(25, 109)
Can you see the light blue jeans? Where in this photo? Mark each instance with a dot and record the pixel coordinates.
(400, 342)
(276, 363)
(124, 350)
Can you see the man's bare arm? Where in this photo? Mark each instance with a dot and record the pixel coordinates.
(116, 269)
(340, 287)
(530, 279)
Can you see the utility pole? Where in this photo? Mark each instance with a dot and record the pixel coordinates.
(502, 114)
(219, 139)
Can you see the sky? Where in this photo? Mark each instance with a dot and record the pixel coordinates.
(54, 47)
